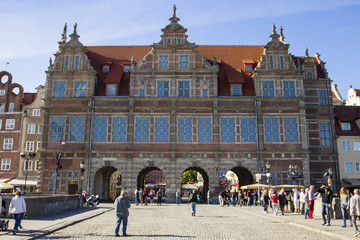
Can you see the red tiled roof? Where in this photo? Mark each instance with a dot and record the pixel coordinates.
(28, 98)
(357, 91)
(320, 72)
(347, 114)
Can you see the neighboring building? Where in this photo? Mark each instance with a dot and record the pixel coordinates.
(353, 97)
(175, 106)
(336, 96)
(31, 137)
(347, 133)
(11, 107)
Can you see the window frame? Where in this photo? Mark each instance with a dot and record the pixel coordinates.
(10, 124)
(204, 130)
(236, 86)
(119, 129)
(11, 107)
(163, 62)
(228, 129)
(347, 167)
(163, 92)
(80, 89)
(36, 112)
(325, 137)
(289, 89)
(30, 165)
(59, 89)
(184, 62)
(100, 127)
(30, 146)
(8, 144)
(323, 101)
(248, 129)
(346, 126)
(185, 88)
(31, 128)
(112, 91)
(77, 129)
(161, 129)
(268, 91)
(270, 134)
(4, 164)
(142, 129)
(291, 131)
(356, 146)
(2, 92)
(185, 123)
(57, 129)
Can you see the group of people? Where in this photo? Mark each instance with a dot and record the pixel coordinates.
(241, 198)
(142, 195)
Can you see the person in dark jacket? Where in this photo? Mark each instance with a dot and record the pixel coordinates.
(326, 200)
(193, 200)
(282, 200)
(122, 204)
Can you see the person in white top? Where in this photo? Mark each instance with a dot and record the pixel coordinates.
(296, 200)
(17, 208)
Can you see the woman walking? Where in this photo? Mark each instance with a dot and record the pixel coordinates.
(282, 200)
(275, 203)
(122, 204)
(265, 199)
(193, 200)
(17, 208)
(345, 202)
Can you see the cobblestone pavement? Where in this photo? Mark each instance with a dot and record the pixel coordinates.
(170, 221)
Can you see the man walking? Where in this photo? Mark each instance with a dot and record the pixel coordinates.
(355, 209)
(122, 204)
(326, 200)
(311, 201)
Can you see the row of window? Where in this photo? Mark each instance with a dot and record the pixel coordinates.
(185, 129)
(6, 165)
(349, 167)
(36, 112)
(347, 146)
(70, 176)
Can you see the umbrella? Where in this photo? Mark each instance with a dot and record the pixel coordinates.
(235, 184)
(5, 186)
(188, 186)
(254, 186)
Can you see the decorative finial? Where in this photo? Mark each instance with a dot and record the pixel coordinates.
(50, 62)
(64, 35)
(273, 29)
(281, 34)
(306, 52)
(174, 11)
(75, 26)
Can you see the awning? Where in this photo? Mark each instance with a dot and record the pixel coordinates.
(5, 179)
(353, 181)
(20, 181)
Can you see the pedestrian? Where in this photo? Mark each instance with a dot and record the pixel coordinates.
(311, 201)
(84, 194)
(122, 205)
(265, 199)
(345, 204)
(234, 195)
(221, 198)
(145, 196)
(160, 195)
(151, 195)
(275, 203)
(240, 198)
(355, 209)
(326, 200)
(208, 196)
(178, 193)
(17, 208)
(307, 203)
(136, 194)
(193, 200)
(302, 201)
(141, 196)
(255, 197)
(248, 195)
(296, 200)
(282, 200)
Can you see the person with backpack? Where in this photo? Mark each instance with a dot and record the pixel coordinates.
(193, 200)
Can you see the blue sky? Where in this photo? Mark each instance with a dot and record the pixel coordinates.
(31, 29)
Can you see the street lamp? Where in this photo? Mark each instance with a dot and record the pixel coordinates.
(294, 173)
(82, 169)
(58, 165)
(268, 173)
(27, 157)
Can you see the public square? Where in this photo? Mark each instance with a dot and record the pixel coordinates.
(170, 221)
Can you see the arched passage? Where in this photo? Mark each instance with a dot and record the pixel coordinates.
(244, 175)
(205, 181)
(102, 182)
(156, 177)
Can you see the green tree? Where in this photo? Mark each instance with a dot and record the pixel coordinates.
(189, 175)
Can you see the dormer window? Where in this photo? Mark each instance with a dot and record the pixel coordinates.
(178, 41)
(235, 90)
(248, 68)
(346, 126)
(126, 68)
(111, 90)
(106, 68)
(168, 41)
(309, 75)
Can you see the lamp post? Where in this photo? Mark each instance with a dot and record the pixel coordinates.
(268, 173)
(294, 173)
(27, 156)
(82, 170)
(58, 165)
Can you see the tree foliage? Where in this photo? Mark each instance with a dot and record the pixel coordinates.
(189, 175)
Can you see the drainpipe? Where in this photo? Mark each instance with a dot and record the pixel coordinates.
(90, 144)
(333, 138)
(257, 136)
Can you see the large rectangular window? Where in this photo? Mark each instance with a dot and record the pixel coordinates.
(204, 129)
(2, 107)
(11, 107)
(29, 146)
(346, 146)
(349, 167)
(322, 98)
(282, 63)
(161, 129)
(163, 62)
(271, 62)
(227, 129)
(31, 129)
(236, 90)
(289, 89)
(325, 134)
(77, 129)
(184, 62)
(183, 88)
(28, 165)
(57, 128)
(271, 130)
(142, 129)
(8, 143)
(10, 124)
(268, 89)
(357, 165)
(248, 131)
(100, 129)
(290, 130)
(356, 145)
(80, 89)
(163, 88)
(77, 62)
(184, 129)
(5, 164)
(119, 129)
(36, 112)
(110, 90)
(59, 90)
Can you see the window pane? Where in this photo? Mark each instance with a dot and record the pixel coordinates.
(325, 134)
(161, 129)
(99, 129)
(57, 129)
(204, 129)
(119, 129)
(227, 129)
(163, 88)
(271, 130)
(184, 130)
(142, 129)
(268, 89)
(248, 132)
(77, 129)
(291, 130)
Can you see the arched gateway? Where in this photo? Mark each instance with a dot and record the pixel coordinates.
(102, 182)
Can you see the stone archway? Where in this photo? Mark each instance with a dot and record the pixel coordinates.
(205, 177)
(102, 182)
(244, 175)
(142, 175)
